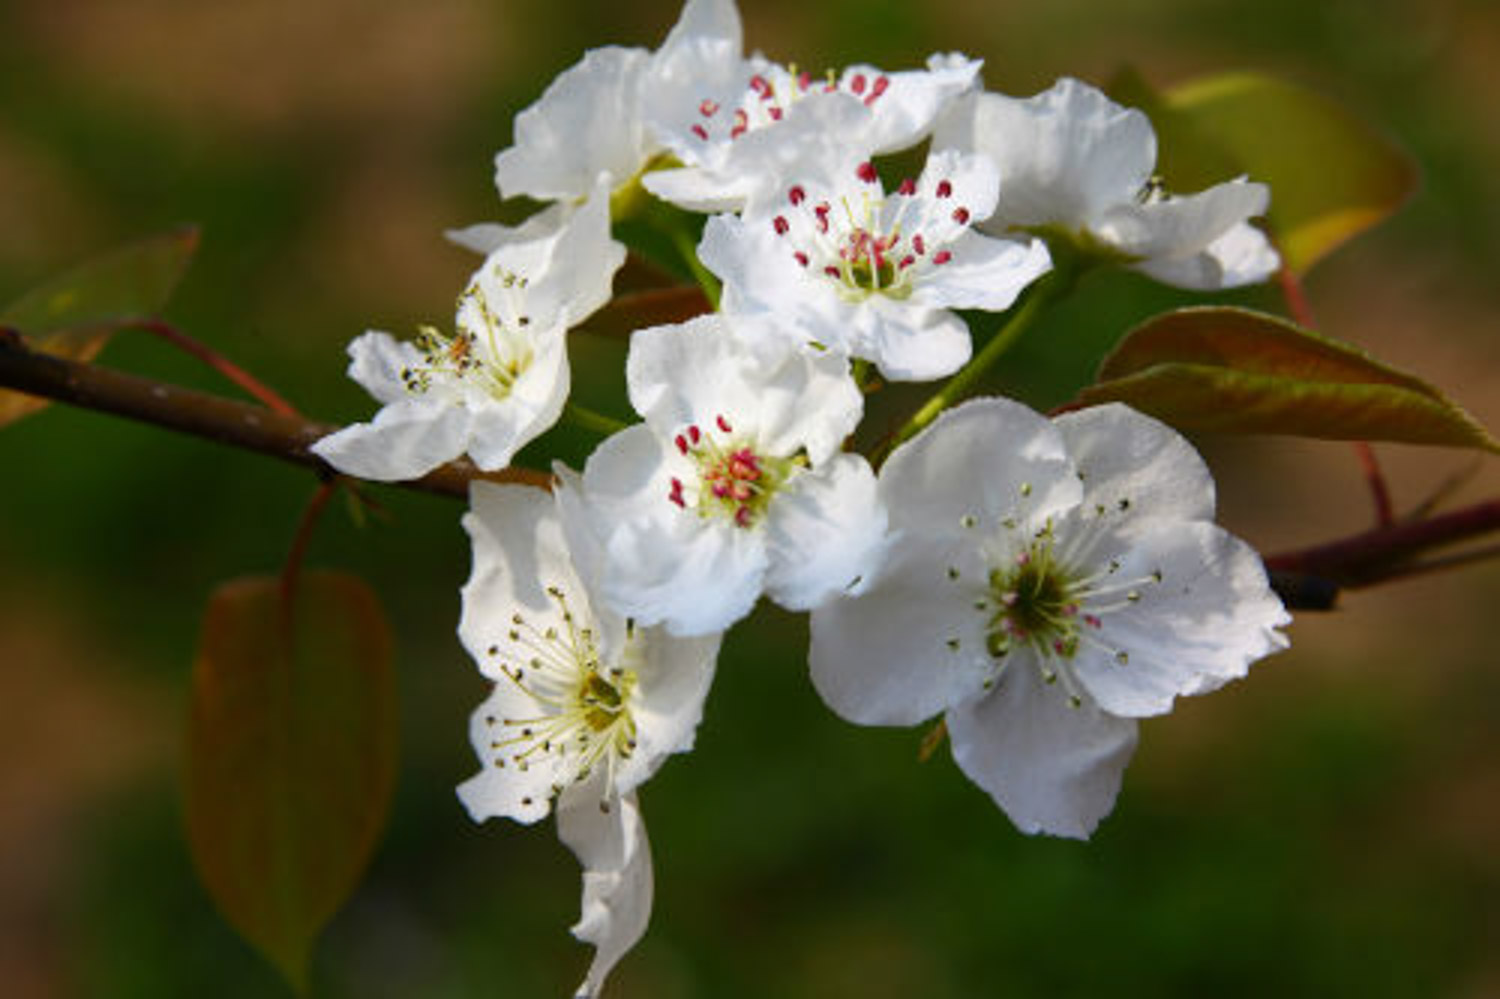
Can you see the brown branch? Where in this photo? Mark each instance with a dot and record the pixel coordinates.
(224, 421)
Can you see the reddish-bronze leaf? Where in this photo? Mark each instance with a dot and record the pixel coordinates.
(291, 756)
(1238, 371)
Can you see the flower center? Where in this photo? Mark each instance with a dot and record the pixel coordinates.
(1035, 601)
(583, 716)
(491, 348)
(735, 479)
(870, 244)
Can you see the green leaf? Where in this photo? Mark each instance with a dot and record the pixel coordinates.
(291, 756)
(1331, 175)
(74, 315)
(1237, 371)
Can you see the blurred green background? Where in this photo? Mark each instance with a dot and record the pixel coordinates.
(1329, 827)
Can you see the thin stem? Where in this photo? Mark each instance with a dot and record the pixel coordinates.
(589, 419)
(1299, 309)
(291, 571)
(701, 274)
(960, 385)
(223, 365)
(225, 421)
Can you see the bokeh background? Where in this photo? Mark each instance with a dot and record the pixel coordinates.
(1331, 826)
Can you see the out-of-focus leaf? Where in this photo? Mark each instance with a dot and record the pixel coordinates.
(1238, 371)
(291, 755)
(1331, 175)
(74, 314)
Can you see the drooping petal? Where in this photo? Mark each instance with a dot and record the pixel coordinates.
(406, 440)
(608, 836)
(585, 130)
(910, 644)
(1179, 227)
(1241, 256)
(907, 345)
(1210, 615)
(1052, 767)
(981, 462)
(1129, 461)
(825, 533)
(1065, 155)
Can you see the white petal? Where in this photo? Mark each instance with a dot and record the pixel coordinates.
(406, 440)
(695, 372)
(1127, 459)
(1210, 617)
(609, 839)
(582, 262)
(672, 685)
(376, 361)
(1065, 155)
(907, 341)
(586, 128)
(988, 459)
(906, 112)
(1241, 256)
(825, 533)
(1051, 767)
(502, 789)
(985, 273)
(1179, 227)
(910, 644)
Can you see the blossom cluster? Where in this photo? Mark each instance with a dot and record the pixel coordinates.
(1039, 583)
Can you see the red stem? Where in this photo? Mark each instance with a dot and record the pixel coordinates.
(1301, 312)
(219, 363)
(295, 556)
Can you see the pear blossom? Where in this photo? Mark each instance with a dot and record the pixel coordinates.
(1076, 164)
(733, 485)
(579, 690)
(589, 128)
(840, 263)
(1050, 583)
(502, 378)
(740, 139)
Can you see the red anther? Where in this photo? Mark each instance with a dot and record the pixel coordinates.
(919, 244)
(796, 195)
(682, 444)
(723, 424)
(801, 258)
(804, 80)
(708, 108)
(759, 84)
(676, 494)
(1023, 558)
(942, 257)
(1059, 646)
(721, 489)
(857, 83)
(775, 113)
(866, 172)
(907, 261)
(743, 470)
(694, 434)
(831, 271)
(908, 187)
(700, 132)
(781, 224)
(1092, 621)
(881, 83)
(822, 213)
(741, 124)
(742, 517)
(944, 189)
(741, 491)
(961, 216)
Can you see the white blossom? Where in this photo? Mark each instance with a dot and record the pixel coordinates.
(1049, 583)
(502, 378)
(768, 122)
(1073, 162)
(588, 129)
(578, 688)
(734, 484)
(836, 261)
